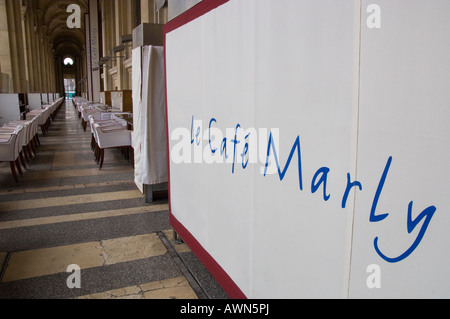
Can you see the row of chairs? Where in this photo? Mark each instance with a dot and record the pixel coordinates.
(19, 140)
(108, 132)
(84, 109)
(46, 114)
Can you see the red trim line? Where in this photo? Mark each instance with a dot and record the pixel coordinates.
(214, 268)
(195, 12)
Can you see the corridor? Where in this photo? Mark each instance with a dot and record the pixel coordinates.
(65, 211)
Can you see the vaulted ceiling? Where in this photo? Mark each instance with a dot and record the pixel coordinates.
(66, 41)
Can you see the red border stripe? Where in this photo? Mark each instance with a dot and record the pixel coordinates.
(195, 12)
(214, 268)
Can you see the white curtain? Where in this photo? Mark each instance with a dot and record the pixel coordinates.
(149, 137)
(137, 102)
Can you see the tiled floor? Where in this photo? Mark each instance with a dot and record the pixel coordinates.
(67, 212)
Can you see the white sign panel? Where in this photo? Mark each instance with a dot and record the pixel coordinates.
(401, 216)
(34, 101)
(117, 100)
(9, 108)
(293, 96)
(308, 145)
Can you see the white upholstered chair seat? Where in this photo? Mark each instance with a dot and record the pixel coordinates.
(111, 137)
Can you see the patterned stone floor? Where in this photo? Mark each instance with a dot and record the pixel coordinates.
(65, 211)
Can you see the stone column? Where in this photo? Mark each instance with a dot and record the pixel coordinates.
(37, 49)
(59, 76)
(120, 21)
(5, 55)
(107, 26)
(14, 21)
(148, 12)
(36, 61)
(29, 51)
(26, 52)
(42, 50)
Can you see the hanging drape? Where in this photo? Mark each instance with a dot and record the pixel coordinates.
(149, 136)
